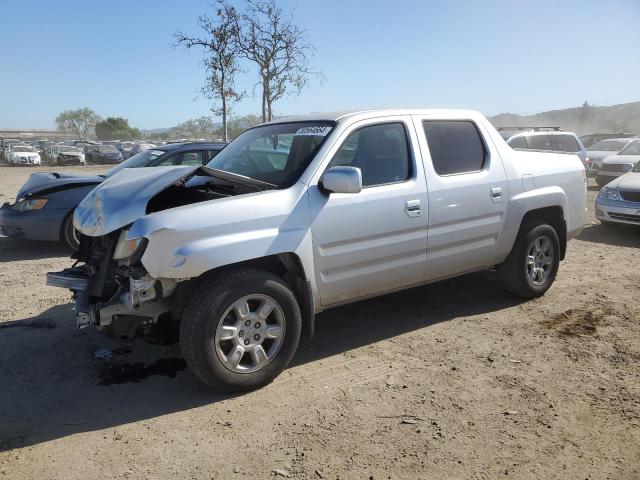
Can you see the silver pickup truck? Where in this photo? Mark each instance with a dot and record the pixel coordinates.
(304, 214)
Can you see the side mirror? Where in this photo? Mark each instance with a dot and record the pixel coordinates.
(342, 180)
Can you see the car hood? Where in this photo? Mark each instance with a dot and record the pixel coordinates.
(122, 198)
(628, 181)
(43, 182)
(24, 154)
(617, 159)
(76, 154)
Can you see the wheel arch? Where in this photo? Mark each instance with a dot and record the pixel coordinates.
(554, 216)
(287, 266)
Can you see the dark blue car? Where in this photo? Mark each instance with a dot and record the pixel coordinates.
(44, 205)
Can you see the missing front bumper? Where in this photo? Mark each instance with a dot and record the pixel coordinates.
(139, 302)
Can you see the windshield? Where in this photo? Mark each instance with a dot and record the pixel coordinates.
(142, 159)
(70, 149)
(277, 154)
(607, 146)
(108, 149)
(23, 149)
(632, 149)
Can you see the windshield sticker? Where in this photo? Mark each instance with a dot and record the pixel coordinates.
(314, 131)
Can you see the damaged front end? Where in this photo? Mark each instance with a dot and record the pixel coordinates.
(112, 289)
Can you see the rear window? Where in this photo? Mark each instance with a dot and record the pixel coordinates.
(455, 146)
(566, 143)
(541, 142)
(519, 142)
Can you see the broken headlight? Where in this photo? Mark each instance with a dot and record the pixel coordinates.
(126, 248)
(29, 204)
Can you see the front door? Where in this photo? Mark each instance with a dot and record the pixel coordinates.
(373, 241)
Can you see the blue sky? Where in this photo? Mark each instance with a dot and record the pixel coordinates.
(117, 58)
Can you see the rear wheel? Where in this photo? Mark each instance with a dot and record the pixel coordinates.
(240, 330)
(70, 235)
(532, 265)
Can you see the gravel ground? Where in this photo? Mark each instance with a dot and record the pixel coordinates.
(453, 380)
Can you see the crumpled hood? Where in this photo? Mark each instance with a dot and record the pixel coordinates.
(43, 182)
(629, 181)
(122, 198)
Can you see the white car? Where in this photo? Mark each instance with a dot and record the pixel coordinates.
(602, 149)
(619, 200)
(24, 155)
(617, 165)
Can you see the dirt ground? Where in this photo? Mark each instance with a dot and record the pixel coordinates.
(453, 380)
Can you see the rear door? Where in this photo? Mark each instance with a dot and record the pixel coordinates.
(468, 194)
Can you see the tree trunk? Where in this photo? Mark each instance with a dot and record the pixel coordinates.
(264, 101)
(269, 111)
(224, 119)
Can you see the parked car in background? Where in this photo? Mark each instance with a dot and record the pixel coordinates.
(23, 155)
(67, 155)
(140, 147)
(550, 141)
(44, 205)
(592, 138)
(246, 250)
(616, 165)
(107, 154)
(619, 200)
(125, 148)
(7, 145)
(602, 149)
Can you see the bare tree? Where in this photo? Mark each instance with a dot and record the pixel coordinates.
(81, 122)
(221, 59)
(270, 39)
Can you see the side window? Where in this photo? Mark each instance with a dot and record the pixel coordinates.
(455, 146)
(541, 142)
(566, 143)
(212, 153)
(182, 158)
(380, 151)
(519, 142)
(192, 158)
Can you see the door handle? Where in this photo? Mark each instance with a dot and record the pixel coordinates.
(412, 207)
(496, 193)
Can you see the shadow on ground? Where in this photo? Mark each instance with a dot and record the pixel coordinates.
(12, 249)
(618, 235)
(50, 376)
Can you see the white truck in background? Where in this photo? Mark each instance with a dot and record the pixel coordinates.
(304, 214)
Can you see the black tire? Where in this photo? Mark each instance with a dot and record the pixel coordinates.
(69, 234)
(204, 312)
(513, 271)
(602, 181)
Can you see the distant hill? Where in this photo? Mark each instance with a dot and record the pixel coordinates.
(582, 120)
(156, 130)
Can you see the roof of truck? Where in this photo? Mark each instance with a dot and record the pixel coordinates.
(336, 116)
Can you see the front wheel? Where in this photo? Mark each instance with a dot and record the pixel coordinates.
(532, 265)
(240, 330)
